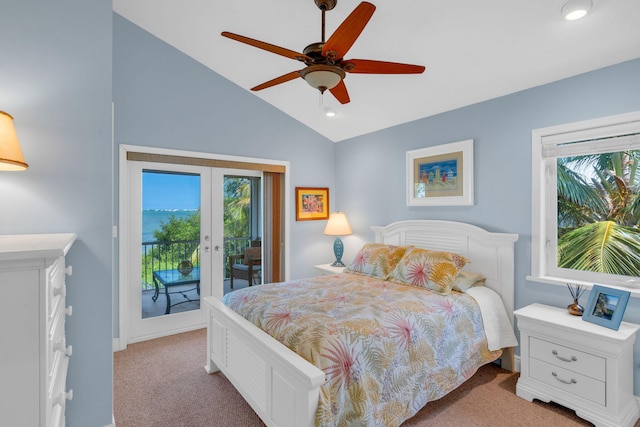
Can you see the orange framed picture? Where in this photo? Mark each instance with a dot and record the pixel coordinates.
(312, 203)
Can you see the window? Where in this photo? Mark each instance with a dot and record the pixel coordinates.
(586, 202)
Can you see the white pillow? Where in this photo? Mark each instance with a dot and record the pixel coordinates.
(466, 280)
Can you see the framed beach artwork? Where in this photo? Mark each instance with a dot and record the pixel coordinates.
(441, 175)
(606, 306)
(312, 203)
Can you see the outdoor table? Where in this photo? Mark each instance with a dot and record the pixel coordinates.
(170, 278)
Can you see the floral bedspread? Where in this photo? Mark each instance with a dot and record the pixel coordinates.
(386, 349)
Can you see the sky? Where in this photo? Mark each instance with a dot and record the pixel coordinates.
(170, 191)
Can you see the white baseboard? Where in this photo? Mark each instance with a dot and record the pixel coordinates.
(116, 345)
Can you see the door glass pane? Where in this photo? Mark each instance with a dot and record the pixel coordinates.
(242, 232)
(170, 280)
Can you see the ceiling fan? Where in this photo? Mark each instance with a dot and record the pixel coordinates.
(326, 67)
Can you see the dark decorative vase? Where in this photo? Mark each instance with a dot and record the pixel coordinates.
(575, 308)
(185, 267)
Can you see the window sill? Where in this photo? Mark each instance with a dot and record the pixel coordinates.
(633, 287)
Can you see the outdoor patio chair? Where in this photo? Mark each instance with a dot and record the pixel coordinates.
(247, 266)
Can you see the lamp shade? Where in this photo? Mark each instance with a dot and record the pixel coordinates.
(338, 225)
(11, 158)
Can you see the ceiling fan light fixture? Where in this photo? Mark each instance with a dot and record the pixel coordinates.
(322, 77)
(576, 9)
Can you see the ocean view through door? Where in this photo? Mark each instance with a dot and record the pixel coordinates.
(170, 242)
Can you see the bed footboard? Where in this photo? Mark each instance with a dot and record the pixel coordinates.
(281, 387)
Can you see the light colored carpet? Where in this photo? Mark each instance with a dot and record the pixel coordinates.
(162, 382)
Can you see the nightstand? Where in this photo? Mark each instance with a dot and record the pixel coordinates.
(327, 269)
(580, 365)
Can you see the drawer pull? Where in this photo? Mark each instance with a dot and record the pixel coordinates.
(62, 398)
(68, 271)
(564, 359)
(61, 346)
(572, 381)
(61, 291)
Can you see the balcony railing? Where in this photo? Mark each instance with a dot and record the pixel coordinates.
(167, 255)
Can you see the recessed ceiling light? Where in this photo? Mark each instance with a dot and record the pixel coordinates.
(576, 9)
(329, 112)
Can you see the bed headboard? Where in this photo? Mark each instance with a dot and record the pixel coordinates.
(491, 254)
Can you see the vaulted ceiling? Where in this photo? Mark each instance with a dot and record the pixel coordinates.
(473, 50)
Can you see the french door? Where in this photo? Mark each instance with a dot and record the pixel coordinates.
(172, 261)
(155, 298)
(177, 244)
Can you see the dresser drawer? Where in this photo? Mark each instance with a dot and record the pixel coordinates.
(57, 416)
(58, 378)
(56, 328)
(57, 305)
(568, 358)
(56, 272)
(568, 381)
(56, 279)
(55, 296)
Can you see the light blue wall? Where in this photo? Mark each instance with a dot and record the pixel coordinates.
(370, 170)
(55, 79)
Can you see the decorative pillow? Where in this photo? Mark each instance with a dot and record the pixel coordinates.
(428, 269)
(466, 280)
(376, 259)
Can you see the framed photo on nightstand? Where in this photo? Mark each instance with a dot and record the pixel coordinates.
(606, 306)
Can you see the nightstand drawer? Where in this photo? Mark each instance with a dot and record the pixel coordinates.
(568, 358)
(569, 381)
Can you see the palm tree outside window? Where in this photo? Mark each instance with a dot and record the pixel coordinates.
(599, 213)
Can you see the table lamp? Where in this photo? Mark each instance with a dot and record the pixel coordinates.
(338, 225)
(11, 158)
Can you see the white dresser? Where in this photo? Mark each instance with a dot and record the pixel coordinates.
(34, 354)
(580, 365)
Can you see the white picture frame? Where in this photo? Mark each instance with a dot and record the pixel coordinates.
(441, 175)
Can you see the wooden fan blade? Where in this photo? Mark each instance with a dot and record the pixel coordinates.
(282, 79)
(266, 46)
(345, 36)
(367, 66)
(340, 93)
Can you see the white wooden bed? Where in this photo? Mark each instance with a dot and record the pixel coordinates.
(282, 387)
